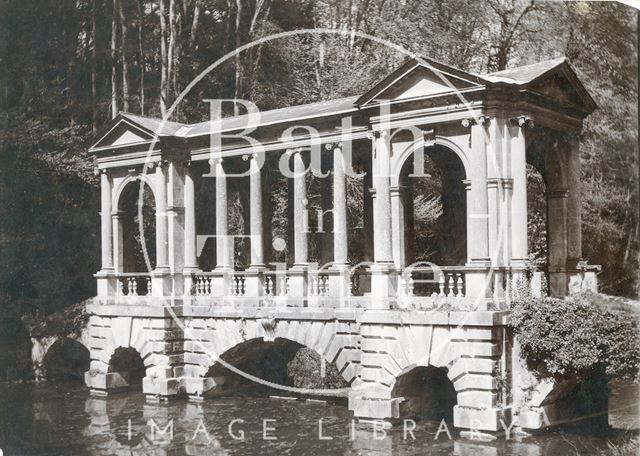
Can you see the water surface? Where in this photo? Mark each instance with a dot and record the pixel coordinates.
(60, 419)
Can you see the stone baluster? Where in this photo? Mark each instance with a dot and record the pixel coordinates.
(269, 286)
(120, 287)
(459, 286)
(148, 286)
(411, 286)
(441, 285)
(451, 286)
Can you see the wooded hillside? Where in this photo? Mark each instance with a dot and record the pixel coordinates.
(68, 66)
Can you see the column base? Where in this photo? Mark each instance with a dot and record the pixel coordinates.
(339, 283)
(298, 280)
(384, 282)
(220, 283)
(253, 282)
(107, 283)
(161, 282)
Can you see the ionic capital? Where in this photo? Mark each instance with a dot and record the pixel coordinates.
(522, 122)
(333, 146)
(479, 120)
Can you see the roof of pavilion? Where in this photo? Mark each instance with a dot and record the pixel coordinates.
(447, 79)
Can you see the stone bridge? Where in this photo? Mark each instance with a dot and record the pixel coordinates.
(211, 241)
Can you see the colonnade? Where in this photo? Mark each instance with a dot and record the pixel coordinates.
(494, 160)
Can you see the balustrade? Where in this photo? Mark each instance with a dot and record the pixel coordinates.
(134, 284)
(421, 285)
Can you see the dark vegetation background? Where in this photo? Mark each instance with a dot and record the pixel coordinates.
(67, 66)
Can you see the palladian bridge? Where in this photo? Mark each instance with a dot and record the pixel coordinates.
(298, 224)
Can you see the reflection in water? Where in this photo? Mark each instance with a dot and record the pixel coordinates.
(64, 419)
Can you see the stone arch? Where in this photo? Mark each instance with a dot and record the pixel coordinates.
(130, 248)
(243, 348)
(127, 367)
(400, 160)
(570, 402)
(66, 359)
(425, 392)
(145, 178)
(142, 347)
(430, 210)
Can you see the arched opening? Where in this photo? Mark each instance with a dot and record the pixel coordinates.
(434, 208)
(133, 246)
(282, 362)
(427, 394)
(66, 360)
(580, 406)
(128, 364)
(536, 216)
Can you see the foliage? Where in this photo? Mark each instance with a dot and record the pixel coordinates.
(305, 370)
(69, 321)
(574, 338)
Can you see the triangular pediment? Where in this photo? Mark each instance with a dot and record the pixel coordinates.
(123, 132)
(562, 86)
(419, 78)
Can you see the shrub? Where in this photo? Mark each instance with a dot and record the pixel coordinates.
(69, 321)
(574, 338)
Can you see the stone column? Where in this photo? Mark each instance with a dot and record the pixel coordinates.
(161, 218)
(409, 221)
(576, 277)
(382, 250)
(367, 213)
(219, 283)
(557, 241)
(253, 282)
(325, 234)
(299, 208)
(222, 245)
(519, 249)
(105, 221)
(190, 256)
(574, 217)
(383, 278)
(118, 247)
(477, 205)
(297, 274)
(160, 276)
(398, 231)
(494, 191)
(339, 283)
(106, 283)
(340, 241)
(557, 196)
(476, 281)
(255, 213)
